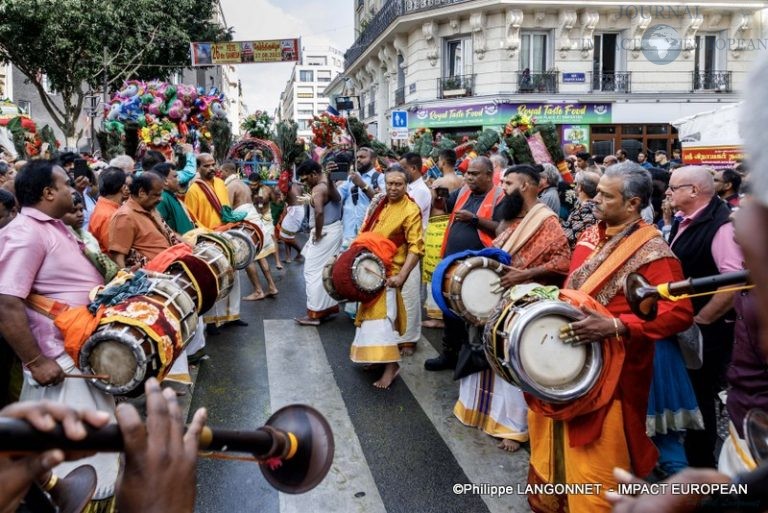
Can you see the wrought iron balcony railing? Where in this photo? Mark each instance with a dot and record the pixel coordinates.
(455, 86)
(613, 82)
(399, 96)
(717, 81)
(389, 12)
(538, 81)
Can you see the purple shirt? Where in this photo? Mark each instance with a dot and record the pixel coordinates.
(725, 252)
(38, 254)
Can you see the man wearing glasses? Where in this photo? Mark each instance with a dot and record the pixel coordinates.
(702, 238)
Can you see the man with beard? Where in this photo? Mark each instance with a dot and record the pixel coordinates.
(583, 442)
(530, 232)
(357, 192)
(472, 226)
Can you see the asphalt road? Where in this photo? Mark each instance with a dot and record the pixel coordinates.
(399, 450)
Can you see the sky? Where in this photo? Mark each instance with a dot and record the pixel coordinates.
(317, 22)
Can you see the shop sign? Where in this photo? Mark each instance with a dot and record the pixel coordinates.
(718, 157)
(575, 139)
(490, 114)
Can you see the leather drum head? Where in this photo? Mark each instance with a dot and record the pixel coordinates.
(545, 357)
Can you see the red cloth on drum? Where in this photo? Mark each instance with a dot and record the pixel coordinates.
(162, 261)
(657, 265)
(204, 279)
(341, 275)
(154, 320)
(379, 245)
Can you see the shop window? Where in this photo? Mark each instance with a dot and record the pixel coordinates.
(603, 129)
(656, 129)
(632, 129)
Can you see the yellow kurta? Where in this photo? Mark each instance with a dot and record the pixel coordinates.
(201, 208)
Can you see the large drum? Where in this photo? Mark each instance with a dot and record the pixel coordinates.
(242, 247)
(471, 288)
(217, 239)
(245, 230)
(214, 257)
(358, 275)
(140, 337)
(328, 279)
(522, 344)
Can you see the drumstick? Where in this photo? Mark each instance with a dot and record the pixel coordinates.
(87, 376)
(375, 273)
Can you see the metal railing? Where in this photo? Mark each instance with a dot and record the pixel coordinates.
(455, 86)
(391, 10)
(538, 81)
(614, 82)
(399, 96)
(718, 81)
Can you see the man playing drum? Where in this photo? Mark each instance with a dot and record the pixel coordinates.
(39, 254)
(531, 233)
(324, 243)
(208, 201)
(396, 217)
(586, 447)
(475, 215)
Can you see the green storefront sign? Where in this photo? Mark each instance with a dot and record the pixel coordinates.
(489, 114)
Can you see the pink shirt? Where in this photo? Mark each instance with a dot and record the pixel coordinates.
(725, 252)
(39, 254)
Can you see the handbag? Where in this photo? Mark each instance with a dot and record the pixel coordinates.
(691, 345)
(471, 357)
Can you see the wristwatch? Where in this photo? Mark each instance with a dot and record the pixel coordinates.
(367, 188)
(475, 221)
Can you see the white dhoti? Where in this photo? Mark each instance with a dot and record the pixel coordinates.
(734, 456)
(227, 309)
(489, 403)
(376, 340)
(411, 293)
(81, 395)
(316, 255)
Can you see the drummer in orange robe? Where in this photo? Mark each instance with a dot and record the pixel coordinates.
(585, 449)
(394, 216)
(531, 233)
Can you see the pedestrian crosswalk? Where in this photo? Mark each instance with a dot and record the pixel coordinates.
(299, 372)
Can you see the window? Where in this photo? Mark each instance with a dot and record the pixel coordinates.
(709, 70)
(304, 124)
(458, 57)
(533, 53)
(317, 60)
(324, 75)
(25, 106)
(47, 85)
(304, 109)
(306, 75)
(305, 92)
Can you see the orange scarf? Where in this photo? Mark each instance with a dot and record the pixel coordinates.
(492, 198)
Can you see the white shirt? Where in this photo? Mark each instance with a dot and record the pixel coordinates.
(421, 194)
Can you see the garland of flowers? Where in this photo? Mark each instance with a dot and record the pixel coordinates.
(258, 125)
(325, 127)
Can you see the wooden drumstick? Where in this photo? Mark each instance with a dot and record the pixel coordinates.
(375, 273)
(87, 376)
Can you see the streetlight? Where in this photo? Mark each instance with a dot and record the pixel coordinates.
(92, 103)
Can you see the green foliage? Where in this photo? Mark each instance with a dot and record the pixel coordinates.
(551, 141)
(286, 135)
(422, 143)
(110, 144)
(258, 124)
(486, 141)
(17, 134)
(65, 41)
(517, 146)
(221, 135)
(359, 132)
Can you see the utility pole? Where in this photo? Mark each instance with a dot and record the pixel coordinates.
(104, 78)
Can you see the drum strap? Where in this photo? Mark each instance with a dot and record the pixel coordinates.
(618, 257)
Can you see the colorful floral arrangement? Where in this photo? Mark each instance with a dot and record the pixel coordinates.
(258, 125)
(160, 133)
(520, 124)
(326, 127)
(528, 142)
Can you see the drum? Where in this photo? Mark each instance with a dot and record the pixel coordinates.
(328, 279)
(139, 338)
(196, 278)
(249, 229)
(358, 275)
(471, 288)
(522, 344)
(219, 240)
(211, 254)
(242, 247)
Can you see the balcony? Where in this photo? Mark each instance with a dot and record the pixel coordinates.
(614, 82)
(391, 10)
(538, 82)
(715, 81)
(371, 109)
(399, 96)
(455, 86)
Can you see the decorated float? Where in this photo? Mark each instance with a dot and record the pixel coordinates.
(20, 137)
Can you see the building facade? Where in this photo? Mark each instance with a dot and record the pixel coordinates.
(303, 96)
(610, 74)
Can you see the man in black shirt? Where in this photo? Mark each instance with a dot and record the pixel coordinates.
(475, 216)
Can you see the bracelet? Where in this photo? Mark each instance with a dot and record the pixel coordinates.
(616, 327)
(33, 360)
(50, 483)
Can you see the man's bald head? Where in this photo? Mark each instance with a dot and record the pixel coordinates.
(699, 176)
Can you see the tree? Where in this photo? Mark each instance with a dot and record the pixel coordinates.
(64, 43)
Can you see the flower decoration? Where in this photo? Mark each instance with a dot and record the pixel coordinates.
(326, 127)
(520, 124)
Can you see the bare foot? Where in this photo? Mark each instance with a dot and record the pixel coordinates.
(279, 267)
(508, 445)
(306, 321)
(272, 293)
(407, 350)
(433, 323)
(390, 373)
(256, 296)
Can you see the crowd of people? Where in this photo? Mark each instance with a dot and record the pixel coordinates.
(655, 414)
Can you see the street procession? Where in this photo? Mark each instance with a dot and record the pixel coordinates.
(383, 256)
